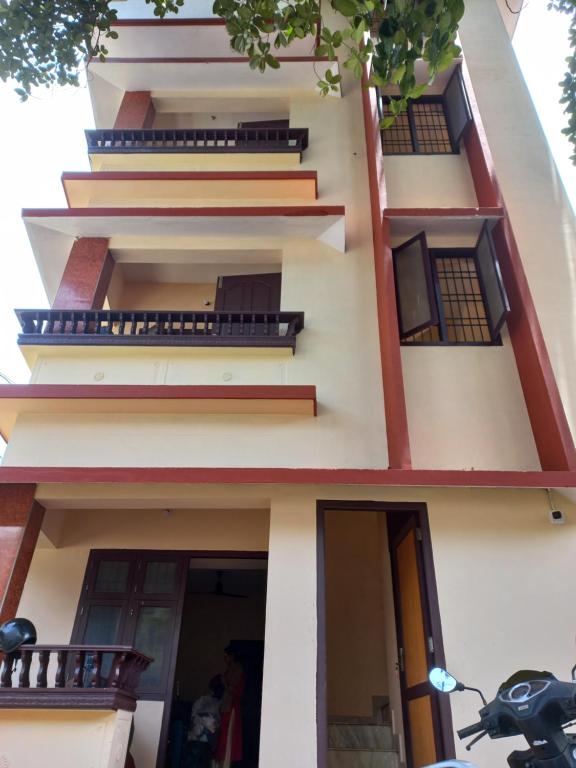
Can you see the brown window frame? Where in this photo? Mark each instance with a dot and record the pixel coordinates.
(132, 600)
(456, 82)
(437, 311)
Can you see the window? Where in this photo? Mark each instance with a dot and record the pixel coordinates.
(449, 295)
(431, 125)
(133, 598)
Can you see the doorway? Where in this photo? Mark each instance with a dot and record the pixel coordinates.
(223, 621)
(379, 634)
(183, 609)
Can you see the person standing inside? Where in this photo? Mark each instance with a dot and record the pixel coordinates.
(229, 749)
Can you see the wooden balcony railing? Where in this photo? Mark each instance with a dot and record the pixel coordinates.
(198, 140)
(81, 677)
(162, 328)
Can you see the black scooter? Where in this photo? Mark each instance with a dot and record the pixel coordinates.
(532, 704)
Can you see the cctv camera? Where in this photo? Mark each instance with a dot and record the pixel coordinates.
(557, 517)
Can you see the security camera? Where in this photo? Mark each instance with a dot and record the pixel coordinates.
(557, 517)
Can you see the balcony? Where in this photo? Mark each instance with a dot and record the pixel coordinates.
(72, 677)
(164, 328)
(198, 141)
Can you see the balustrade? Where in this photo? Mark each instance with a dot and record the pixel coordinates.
(72, 676)
(158, 328)
(197, 140)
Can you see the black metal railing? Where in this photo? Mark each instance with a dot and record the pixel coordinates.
(159, 328)
(198, 140)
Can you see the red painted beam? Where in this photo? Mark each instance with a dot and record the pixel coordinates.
(87, 275)
(290, 476)
(390, 358)
(136, 111)
(169, 23)
(456, 213)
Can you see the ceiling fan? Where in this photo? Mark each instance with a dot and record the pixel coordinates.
(219, 590)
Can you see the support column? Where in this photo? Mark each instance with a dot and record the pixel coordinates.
(136, 111)
(20, 521)
(87, 275)
(288, 730)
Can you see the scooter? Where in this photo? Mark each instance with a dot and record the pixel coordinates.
(532, 704)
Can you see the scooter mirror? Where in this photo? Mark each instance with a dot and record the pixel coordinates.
(442, 680)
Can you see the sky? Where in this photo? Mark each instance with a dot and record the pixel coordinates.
(45, 136)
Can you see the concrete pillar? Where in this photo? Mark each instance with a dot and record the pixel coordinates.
(288, 732)
(20, 522)
(87, 275)
(136, 111)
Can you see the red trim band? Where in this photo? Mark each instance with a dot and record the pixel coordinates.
(156, 392)
(289, 476)
(458, 213)
(188, 175)
(208, 22)
(279, 210)
(209, 60)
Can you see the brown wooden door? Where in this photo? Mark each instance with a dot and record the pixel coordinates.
(416, 653)
(249, 293)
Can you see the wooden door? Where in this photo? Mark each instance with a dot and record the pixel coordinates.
(249, 293)
(416, 652)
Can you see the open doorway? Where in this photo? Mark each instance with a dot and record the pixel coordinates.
(382, 635)
(220, 656)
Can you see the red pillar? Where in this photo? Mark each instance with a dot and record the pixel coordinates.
(20, 522)
(87, 275)
(136, 111)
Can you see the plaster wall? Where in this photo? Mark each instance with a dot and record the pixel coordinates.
(66, 738)
(433, 181)
(169, 296)
(541, 216)
(497, 559)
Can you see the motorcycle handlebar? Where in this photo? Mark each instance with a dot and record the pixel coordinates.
(470, 730)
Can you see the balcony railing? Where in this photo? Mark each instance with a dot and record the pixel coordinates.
(71, 677)
(198, 140)
(163, 328)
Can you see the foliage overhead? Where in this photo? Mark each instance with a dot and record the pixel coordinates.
(48, 42)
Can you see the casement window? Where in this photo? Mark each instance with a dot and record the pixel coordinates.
(449, 295)
(133, 598)
(431, 125)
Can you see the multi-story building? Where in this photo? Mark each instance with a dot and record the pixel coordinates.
(303, 387)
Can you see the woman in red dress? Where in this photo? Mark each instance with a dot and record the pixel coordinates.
(229, 749)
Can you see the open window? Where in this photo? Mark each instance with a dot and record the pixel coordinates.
(449, 295)
(432, 124)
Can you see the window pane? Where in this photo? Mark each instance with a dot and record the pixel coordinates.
(153, 637)
(112, 576)
(462, 304)
(431, 128)
(102, 628)
(496, 300)
(103, 625)
(160, 577)
(458, 110)
(396, 140)
(416, 308)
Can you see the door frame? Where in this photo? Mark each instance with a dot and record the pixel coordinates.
(443, 730)
(188, 555)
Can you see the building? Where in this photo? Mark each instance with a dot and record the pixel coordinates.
(302, 388)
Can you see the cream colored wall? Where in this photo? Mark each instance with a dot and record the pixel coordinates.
(433, 181)
(541, 216)
(169, 296)
(63, 738)
(355, 634)
(501, 570)
(288, 724)
(338, 351)
(52, 590)
(466, 409)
